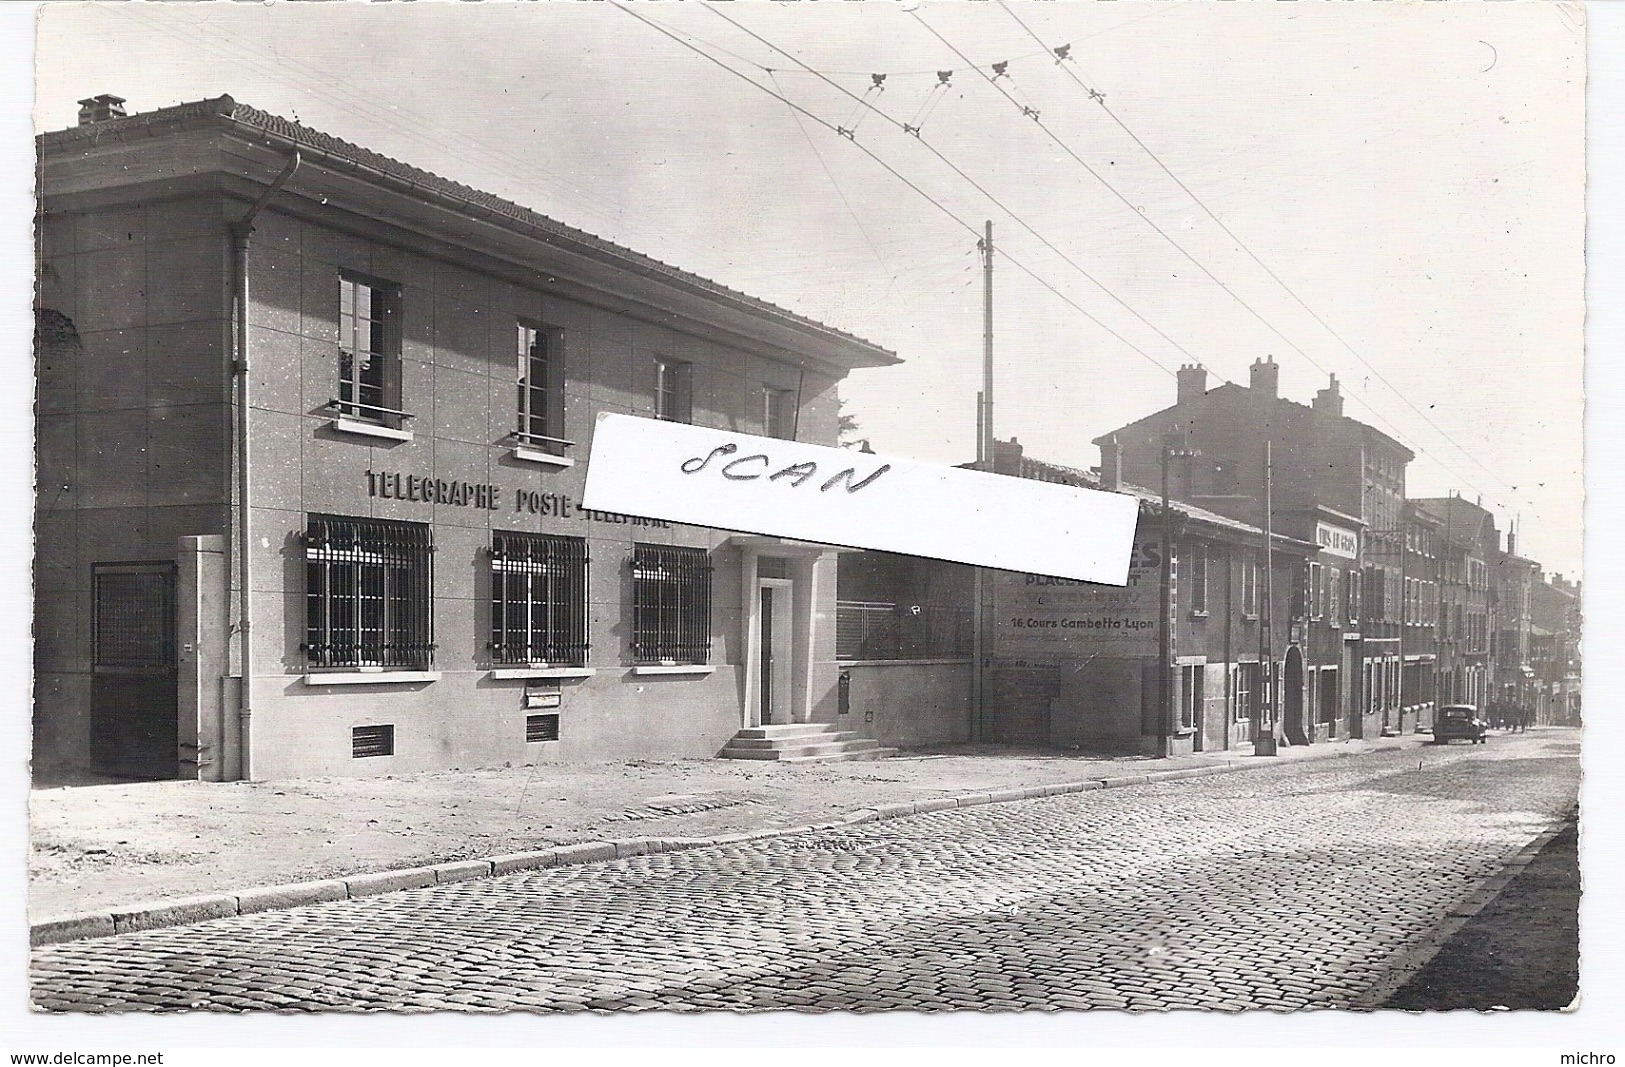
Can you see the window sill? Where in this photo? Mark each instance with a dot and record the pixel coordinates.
(545, 459)
(371, 677)
(674, 668)
(369, 429)
(1198, 614)
(504, 673)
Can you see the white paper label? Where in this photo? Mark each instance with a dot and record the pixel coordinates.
(838, 496)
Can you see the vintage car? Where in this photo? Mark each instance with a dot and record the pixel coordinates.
(1459, 720)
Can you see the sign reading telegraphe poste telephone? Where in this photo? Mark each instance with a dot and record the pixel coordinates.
(836, 496)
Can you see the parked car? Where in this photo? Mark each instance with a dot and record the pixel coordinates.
(1459, 720)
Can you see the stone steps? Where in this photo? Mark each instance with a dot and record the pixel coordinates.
(808, 742)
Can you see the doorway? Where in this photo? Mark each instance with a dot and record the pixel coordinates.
(134, 698)
(776, 602)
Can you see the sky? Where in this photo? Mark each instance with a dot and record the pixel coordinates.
(1393, 193)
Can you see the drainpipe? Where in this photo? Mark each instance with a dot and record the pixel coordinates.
(240, 233)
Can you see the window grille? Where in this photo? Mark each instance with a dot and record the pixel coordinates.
(369, 349)
(538, 599)
(372, 741)
(368, 593)
(671, 604)
(870, 630)
(541, 728)
(134, 621)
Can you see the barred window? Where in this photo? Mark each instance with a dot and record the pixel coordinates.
(541, 385)
(671, 604)
(538, 599)
(367, 593)
(369, 350)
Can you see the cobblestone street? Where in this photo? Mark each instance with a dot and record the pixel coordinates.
(1284, 887)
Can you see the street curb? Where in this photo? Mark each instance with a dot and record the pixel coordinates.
(1403, 967)
(153, 915)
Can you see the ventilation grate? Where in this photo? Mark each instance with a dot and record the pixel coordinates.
(372, 741)
(541, 728)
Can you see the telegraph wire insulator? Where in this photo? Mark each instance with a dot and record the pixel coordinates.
(1063, 52)
(943, 76)
(878, 79)
(1000, 69)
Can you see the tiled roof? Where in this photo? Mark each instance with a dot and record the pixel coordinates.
(229, 110)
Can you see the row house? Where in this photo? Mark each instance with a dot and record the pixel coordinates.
(1119, 669)
(313, 427)
(1467, 598)
(1334, 483)
(1554, 651)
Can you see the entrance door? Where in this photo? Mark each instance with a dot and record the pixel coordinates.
(773, 650)
(133, 693)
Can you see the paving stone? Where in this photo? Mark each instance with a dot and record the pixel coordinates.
(1223, 892)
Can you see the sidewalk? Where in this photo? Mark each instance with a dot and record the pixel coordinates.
(94, 847)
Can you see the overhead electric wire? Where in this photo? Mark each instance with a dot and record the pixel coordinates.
(900, 177)
(951, 165)
(1160, 231)
(1100, 99)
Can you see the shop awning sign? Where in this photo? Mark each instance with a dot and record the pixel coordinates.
(838, 496)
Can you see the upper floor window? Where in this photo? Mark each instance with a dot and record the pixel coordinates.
(1198, 580)
(540, 369)
(1317, 591)
(538, 599)
(1249, 589)
(674, 391)
(778, 412)
(1334, 596)
(369, 350)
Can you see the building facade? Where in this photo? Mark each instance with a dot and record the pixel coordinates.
(313, 429)
(1468, 545)
(1197, 652)
(1332, 481)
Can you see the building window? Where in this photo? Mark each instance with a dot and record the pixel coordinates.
(1244, 682)
(1249, 589)
(671, 604)
(369, 350)
(1199, 580)
(1190, 695)
(538, 599)
(1351, 594)
(778, 413)
(1317, 591)
(674, 391)
(1334, 596)
(540, 371)
(367, 593)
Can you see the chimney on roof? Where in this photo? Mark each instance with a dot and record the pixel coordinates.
(101, 108)
(1266, 378)
(1192, 383)
(1111, 465)
(1007, 456)
(1330, 399)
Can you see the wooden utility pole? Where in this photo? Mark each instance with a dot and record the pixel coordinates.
(1264, 739)
(981, 632)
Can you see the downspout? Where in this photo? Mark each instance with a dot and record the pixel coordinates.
(240, 233)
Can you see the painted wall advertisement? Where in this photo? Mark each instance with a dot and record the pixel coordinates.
(1042, 621)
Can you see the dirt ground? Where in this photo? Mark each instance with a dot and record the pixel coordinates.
(94, 846)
